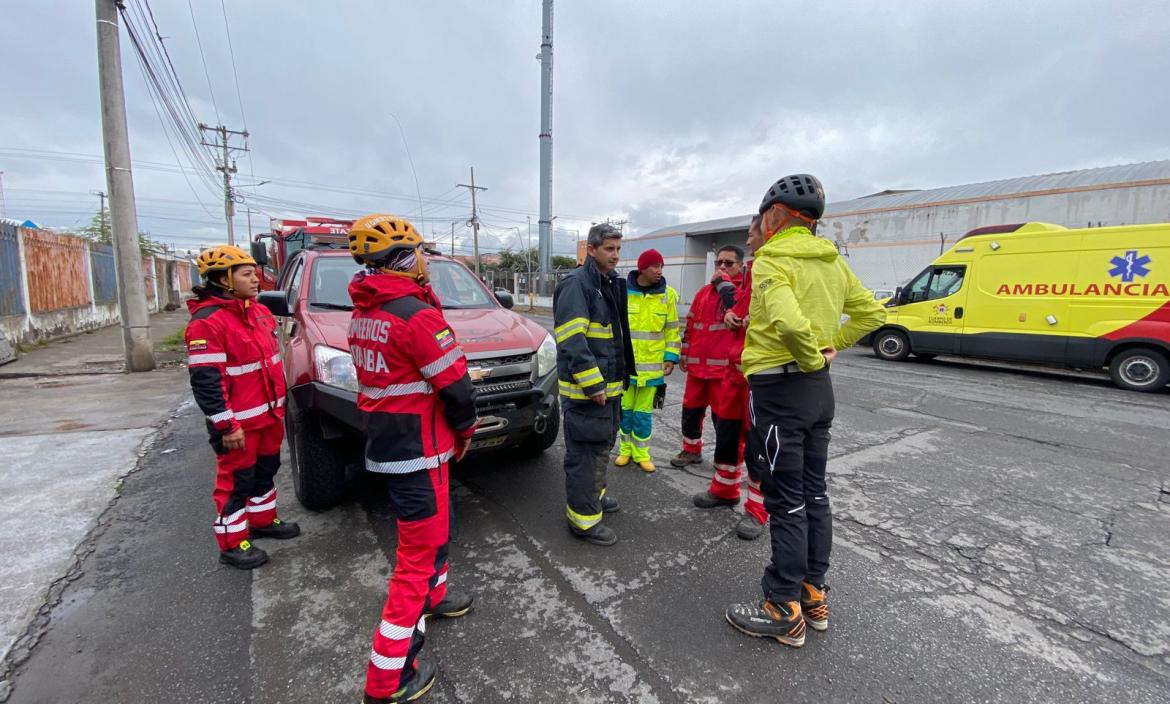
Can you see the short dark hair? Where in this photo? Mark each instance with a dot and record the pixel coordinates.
(601, 232)
(733, 248)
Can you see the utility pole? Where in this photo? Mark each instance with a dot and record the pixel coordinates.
(101, 212)
(528, 261)
(227, 165)
(452, 240)
(474, 216)
(136, 342)
(546, 153)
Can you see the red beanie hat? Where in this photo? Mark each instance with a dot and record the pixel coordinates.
(649, 258)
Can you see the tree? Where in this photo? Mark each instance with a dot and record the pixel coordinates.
(100, 230)
(562, 262)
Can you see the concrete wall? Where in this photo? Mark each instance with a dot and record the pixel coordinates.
(54, 281)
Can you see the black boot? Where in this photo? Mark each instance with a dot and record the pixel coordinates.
(278, 529)
(610, 505)
(453, 605)
(413, 689)
(749, 528)
(245, 557)
(707, 500)
(599, 534)
(782, 621)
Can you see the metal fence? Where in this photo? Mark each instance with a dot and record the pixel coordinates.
(11, 273)
(105, 280)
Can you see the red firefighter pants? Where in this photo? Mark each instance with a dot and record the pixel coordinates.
(419, 581)
(731, 405)
(244, 492)
(698, 394)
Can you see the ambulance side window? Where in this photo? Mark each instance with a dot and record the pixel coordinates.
(945, 282)
(916, 290)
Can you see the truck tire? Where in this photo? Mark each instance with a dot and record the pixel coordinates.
(1140, 369)
(318, 465)
(537, 443)
(891, 345)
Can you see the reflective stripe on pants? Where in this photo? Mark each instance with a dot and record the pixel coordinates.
(637, 421)
(589, 432)
(244, 493)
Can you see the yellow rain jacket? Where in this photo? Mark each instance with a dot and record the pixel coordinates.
(800, 288)
(653, 329)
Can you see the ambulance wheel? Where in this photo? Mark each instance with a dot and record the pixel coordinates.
(1140, 369)
(318, 466)
(891, 345)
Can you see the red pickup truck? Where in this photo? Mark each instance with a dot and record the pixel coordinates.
(511, 359)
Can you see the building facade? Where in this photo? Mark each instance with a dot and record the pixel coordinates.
(890, 236)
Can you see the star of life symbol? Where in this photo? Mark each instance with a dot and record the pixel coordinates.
(942, 308)
(1129, 266)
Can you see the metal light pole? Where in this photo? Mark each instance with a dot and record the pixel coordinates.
(546, 145)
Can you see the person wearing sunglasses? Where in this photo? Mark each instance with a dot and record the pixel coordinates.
(704, 354)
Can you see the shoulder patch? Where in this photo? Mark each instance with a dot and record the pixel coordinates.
(445, 338)
(196, 345)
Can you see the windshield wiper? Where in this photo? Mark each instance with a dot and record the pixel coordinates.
(332, 306)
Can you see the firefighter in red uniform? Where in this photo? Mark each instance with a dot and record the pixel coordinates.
(704, 355)
(731, 409)
(419, 408)
(238, 382)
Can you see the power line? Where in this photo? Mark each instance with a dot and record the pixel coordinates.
(206, 74)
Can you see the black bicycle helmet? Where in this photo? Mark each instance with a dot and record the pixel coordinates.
(801, 192)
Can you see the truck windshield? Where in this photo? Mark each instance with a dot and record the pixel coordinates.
(455, 286)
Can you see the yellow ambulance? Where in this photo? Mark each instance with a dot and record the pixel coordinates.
(1082, 298)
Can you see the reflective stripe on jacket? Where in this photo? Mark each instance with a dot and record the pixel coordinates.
(592, 334)
(654, 329)
(800, 288)
(234, 363)
(414, 391)
(706, 340)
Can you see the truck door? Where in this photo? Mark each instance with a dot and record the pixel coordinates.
(931, 308)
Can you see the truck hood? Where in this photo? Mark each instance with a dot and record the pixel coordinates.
(479, 331)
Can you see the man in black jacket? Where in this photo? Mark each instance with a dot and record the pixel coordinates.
(594, 362)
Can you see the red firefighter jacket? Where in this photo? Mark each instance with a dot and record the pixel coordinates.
(737, 299)
(234, 362)
(414, 391)
(706, 340)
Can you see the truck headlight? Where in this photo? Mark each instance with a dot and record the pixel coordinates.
(335, 368)
(546, 356)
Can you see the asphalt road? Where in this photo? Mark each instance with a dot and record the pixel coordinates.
(1000, 537)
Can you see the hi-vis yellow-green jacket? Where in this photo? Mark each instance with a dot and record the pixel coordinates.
(653, 329)
(800, 288)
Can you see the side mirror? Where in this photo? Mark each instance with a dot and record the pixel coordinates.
(260, 252)
(504, 298)
(275, 302)
(897, 299)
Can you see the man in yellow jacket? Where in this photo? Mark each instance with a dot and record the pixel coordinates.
(800, 288)
(653, 313)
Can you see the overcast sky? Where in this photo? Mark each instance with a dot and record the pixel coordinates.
(664, 112)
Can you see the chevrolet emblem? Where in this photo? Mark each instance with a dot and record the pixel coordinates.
(477, 374)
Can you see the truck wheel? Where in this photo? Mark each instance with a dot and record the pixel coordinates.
(318, 466)
(1140, 369)
(891, 345)
(537, 443)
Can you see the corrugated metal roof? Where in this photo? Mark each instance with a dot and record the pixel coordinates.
(1083, 179)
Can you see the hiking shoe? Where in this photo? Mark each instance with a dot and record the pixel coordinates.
(621, 461)
(610, 505)
(706, 499)
(685, 458)
(814, 602)
(647, 466)
(453, 605)
(278, 529)
(749, 528)
(767, 620)
(414, 689)
(599, 534)
(244, 557)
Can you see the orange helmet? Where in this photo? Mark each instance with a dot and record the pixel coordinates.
(222, 258)
(374, 237)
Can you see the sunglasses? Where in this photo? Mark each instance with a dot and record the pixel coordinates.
(725, 262)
